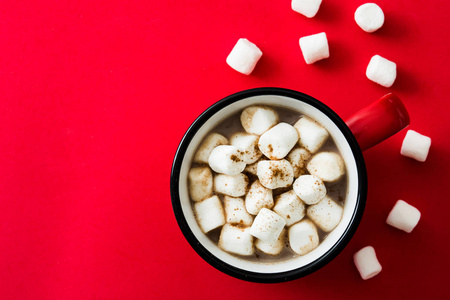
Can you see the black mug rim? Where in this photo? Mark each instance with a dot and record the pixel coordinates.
(291, 274)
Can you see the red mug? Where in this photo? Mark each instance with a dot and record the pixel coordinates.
(366, 128)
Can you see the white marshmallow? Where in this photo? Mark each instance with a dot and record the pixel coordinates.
(235, 212)
(227, 160)
(415, 145)
(314, 47)
(209, 143)
(253, 168)
(200, 183)
(258, 119)
(381, 71)
(210, 214)
(328, 166)
(236, 239)
(248, 144)
(244, 56)
(367, 263)
(311, 134)
(369, 17)
(297, 158)
(267, 225)
(310, 189)
(290, 207)
(272, 247)
(258, 197)
(234, 186)
(326, 214)
(308, 8)
(403, 216)
(276, 142)
(303, 237)
(275, 173)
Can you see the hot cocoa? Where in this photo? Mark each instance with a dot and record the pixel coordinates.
(278, 182)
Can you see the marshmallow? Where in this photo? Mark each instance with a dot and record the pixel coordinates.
(311, 134)
(275, 173)
(248, 144)
(244, 56)
(234, 186)
(210, 213)
(200, 183)
(227, 160)
(303, 237)
(314, 47)
(297, 158)
(367, 263)
(403, 216)
(257, 198)
(267, 225)
(310, 189)
(258, 119)
(369, 17)
(326, 214)
(236, 239)
(290, 207)
(276, 142)
(253, 168)
(272, 247)
(209, 143)
(308, 8)
(416, 145)
(328, 166)
(381, 71)
(235, 212)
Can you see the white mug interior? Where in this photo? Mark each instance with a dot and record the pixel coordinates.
(350, 201)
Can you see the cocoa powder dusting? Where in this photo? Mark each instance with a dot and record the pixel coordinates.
(235, 158)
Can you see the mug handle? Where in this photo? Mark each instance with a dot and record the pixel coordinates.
(378, 121)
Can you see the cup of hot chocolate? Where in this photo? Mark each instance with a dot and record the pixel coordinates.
(269, 184)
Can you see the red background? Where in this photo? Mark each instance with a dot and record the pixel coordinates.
(96, 95)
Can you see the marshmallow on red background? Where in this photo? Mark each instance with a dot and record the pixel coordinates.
(403, 216)
(416, 146)
(314, 47)
(381, 71)
(367, 263)
(308, 8)
(369, 17)
(244, 56)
